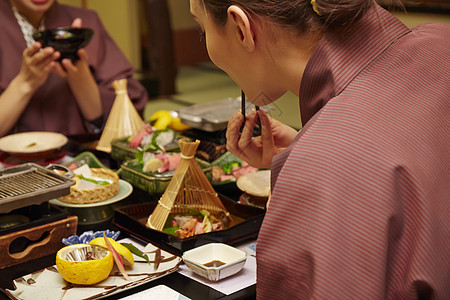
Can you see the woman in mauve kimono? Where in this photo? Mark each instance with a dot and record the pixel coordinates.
(39, 93)
(360, 197)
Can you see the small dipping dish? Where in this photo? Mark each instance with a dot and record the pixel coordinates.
(215, 261)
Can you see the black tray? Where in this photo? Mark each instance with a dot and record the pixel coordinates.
(30, 217)
(132, 219)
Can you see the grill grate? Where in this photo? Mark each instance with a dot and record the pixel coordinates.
(30, 184)
(27, 182)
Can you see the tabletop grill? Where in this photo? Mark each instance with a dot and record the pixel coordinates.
(31, 184)
(29, 226)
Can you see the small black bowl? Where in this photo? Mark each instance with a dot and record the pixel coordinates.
(66, 40)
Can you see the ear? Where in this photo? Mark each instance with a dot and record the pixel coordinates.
(242, 26)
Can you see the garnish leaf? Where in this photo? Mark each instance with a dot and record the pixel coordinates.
(152, 147)
(136, 251)
(99, 182)
(228, 167)
(171, 230)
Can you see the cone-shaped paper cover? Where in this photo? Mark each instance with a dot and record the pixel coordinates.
(123, 120)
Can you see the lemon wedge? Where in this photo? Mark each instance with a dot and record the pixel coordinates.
(153, 165)
(126, 254)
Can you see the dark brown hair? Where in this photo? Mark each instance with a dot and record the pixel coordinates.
(298, 14)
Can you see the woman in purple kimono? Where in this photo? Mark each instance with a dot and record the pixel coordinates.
(360, 197)
(39, 93)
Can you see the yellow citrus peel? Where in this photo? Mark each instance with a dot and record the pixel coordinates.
(86, 272)
(162, 119)
(177, 125)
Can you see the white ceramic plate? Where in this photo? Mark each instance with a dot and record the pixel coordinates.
(125, 190)
(32, 142)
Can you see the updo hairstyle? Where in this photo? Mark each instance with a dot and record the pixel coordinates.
(297, 14)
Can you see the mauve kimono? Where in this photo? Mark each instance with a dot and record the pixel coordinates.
(53, 106)
(360, 204)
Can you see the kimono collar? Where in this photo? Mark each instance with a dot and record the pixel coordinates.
(340, 58)
(27, 29)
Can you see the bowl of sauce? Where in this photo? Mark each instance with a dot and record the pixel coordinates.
(215, 261)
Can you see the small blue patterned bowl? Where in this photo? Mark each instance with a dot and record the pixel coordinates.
(88, 236)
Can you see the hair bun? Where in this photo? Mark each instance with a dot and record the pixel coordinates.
(342, 13)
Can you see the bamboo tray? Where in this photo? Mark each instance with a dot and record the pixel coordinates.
(246, 225)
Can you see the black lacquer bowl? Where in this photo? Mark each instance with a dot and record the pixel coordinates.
(66, 40)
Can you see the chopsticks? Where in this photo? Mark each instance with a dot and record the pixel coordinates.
(243, 103)
(243, 110)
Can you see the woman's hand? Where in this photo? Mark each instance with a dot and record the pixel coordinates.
(258, 151)
(74, 71)
(81, 82)
(77, 23)
(37, 63)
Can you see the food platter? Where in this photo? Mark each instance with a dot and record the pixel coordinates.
(247, 221)
(95, 215)
(153, 183)
(223, 160)
(125, 190)
(49, 284)
(32, 145)
(121, 150)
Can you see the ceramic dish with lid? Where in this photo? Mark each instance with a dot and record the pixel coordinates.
(215, 261)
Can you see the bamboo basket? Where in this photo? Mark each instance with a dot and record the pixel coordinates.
(123, 120)
(97, 194)
(188, 189)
